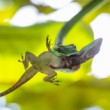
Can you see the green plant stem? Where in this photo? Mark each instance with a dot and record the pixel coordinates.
(68, 25)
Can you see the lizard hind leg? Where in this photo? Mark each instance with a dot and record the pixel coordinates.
(29, 57)
(24, 61)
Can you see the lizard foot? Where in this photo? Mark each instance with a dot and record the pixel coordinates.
(52, 80)
(24, 62)
(56, 82)
(48, 43)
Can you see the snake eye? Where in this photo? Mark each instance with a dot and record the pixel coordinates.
(59, 49)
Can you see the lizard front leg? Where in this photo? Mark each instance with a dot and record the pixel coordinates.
(29, 57)
(50, 74)
(48, 44)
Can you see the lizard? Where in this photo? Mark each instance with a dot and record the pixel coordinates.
(63, 57)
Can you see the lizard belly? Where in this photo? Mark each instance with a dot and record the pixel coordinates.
(51, 60)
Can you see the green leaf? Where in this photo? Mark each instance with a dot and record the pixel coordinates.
(44, 9)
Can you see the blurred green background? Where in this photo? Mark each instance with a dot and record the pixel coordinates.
(77, 90)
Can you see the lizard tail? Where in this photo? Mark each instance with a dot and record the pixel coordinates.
(24, 78)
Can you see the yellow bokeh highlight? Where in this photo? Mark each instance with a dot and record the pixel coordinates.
(7, 10)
